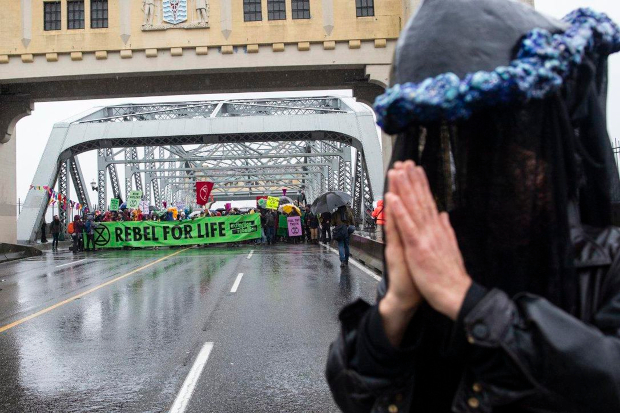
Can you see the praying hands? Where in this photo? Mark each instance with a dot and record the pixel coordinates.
(422, 255)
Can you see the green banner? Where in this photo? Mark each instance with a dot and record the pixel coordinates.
(114, 203)
(213, 230)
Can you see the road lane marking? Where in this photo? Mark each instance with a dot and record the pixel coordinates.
(80, 295)
(236, 284)
(250, 254)
(356, 263)
(185, 395)
(70, 263)
(363, 268)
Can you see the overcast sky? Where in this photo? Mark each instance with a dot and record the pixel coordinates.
(33, 131)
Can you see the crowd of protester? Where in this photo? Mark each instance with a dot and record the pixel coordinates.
(274, 227)
(315, 227)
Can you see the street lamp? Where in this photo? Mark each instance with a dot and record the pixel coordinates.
(94, 186)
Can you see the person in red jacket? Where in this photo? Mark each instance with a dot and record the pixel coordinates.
(378, 215)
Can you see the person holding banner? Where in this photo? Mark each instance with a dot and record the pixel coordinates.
(263, 225)
(89, 229)
(294, 227)
(77, 234)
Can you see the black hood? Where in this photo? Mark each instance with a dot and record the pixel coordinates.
(509, 173)
(438, 38)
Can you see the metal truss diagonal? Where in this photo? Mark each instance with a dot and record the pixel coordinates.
(113, 172)
(78, 181)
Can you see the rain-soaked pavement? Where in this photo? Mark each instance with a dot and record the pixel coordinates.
(129, 339)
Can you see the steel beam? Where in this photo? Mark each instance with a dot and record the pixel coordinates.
(64, 189)
(149, 155)
(116, 186)
(102, 182)
(78, 182)
(136, 175)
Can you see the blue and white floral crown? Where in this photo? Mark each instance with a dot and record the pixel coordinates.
(543, 62)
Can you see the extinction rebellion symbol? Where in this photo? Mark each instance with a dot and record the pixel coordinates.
(102, 236)
(204, 194)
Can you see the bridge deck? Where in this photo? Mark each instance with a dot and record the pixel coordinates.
(129, 344)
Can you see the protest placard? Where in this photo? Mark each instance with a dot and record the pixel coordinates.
(273, 202)
(294, 226)
(114, 204)
(261, 201)
(133, 200)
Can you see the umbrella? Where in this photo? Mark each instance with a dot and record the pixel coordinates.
(195, 214)
(286, 200)
(288, 208)
(330, 201)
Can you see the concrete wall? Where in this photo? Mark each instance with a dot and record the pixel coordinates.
(8, 193)
(331, 20)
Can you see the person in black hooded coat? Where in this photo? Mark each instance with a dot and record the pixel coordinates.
(521, 160)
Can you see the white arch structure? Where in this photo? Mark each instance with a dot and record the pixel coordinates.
(324, 119)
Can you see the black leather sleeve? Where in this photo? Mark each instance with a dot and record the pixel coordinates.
(352, 390)
(531, 353)
(364, 372)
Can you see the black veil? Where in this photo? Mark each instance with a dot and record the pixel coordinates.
(521, 181)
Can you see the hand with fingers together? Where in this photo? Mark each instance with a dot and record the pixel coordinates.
(403, 297)
(421, 247)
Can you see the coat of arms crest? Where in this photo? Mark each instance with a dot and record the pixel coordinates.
(174, 11)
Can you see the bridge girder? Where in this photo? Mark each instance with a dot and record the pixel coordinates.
(316, 144)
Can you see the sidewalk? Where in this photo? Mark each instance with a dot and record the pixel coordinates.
(11, 252)
(48, 245)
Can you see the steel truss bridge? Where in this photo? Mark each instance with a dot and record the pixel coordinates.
(246, 147)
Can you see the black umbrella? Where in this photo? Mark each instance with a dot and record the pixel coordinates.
(330, 201)
(284, 200)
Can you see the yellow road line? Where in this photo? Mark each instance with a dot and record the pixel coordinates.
(80, 295)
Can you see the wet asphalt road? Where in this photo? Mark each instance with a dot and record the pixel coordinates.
(129, 345)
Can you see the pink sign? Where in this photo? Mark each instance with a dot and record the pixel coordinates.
(294, 226)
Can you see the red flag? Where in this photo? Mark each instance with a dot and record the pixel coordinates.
(203, 190)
